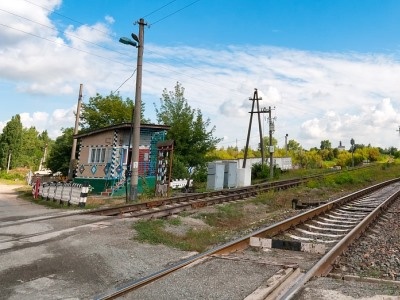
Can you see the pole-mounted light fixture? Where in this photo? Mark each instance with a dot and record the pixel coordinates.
(128, 41)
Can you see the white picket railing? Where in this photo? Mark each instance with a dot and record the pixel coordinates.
(75, 193)
(70, 193)
(179, 183)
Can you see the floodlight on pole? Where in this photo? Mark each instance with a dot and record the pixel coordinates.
(128, 41)
(137, 109)
(135, 37)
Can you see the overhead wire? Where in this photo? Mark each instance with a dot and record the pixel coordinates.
(125, 81)
(106, 48)
(106, 58)
(65, 33)
(175, 12)
(64, 45)
(64, 16)
(158, 9)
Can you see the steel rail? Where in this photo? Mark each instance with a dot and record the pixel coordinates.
(325, 264)
(238, 193)
(243, 242)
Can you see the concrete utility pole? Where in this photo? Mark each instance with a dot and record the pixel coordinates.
(270, 147)
(9, 160)
(76, 129)
(286, 149)
(136, 121)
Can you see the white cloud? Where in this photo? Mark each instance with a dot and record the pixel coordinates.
(109, 19)
(317, 96)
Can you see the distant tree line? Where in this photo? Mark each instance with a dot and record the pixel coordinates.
(195, 143)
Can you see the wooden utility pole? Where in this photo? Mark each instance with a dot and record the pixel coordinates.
(255, 99)
(74, 142)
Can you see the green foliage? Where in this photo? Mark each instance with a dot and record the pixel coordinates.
(226, 214)
(179, 168)
(35, 146)
(106, 111)
(60, 154)
(175, 221)
(263, 198)
(259, 171)
(266, 144)
(325, 144)
(24, 148)
(148, 189)
(293, 145)
(344, 178)
(312, 184)
(193, 139)
(153, 232)
(201, 174)
(12, 176)
(11, 143)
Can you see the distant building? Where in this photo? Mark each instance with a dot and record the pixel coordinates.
(341, 147)
(283, 163)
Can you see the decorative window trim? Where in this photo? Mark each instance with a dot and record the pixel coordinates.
(98, 155)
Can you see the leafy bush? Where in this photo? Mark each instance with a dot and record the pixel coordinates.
(259, 171)
(344, 178)
(11, 176)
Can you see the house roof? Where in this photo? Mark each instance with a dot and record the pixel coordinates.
(121, 126)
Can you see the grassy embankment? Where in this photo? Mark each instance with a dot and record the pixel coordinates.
(223, 222)
(226, 221)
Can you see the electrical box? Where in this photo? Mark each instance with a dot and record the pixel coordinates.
(243, 177)
(215, 175)
(230, 176)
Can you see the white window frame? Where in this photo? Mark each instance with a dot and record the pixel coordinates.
(98, 155)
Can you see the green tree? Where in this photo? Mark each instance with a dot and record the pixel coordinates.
(325, 144)
(60, 153)
(193, 139)
(344, 159)
(11, 143)
(266, 144)
(106, 111)
(33, 151)
(327, 154)
(293, 145)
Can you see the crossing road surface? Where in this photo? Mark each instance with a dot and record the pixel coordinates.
(43, 256)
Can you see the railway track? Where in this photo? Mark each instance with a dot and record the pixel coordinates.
(169, 206)
(334, 225)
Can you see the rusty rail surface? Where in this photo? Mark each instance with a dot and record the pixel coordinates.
(239, 244)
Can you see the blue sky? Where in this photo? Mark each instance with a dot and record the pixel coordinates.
(330, 69)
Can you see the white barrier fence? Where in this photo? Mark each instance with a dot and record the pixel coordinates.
(180, 183)
(70, 193)
(75, 193)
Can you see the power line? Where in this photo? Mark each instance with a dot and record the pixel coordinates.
(149, 14)
(61, 15)
(125, 81)
(106, 48)
(58, 32)
(171, 14)
(64, 45)
(87, 52)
